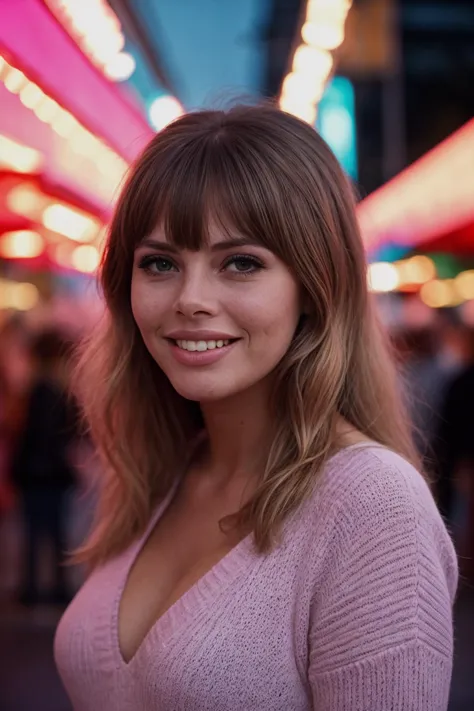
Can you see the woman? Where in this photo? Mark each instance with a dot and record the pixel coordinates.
(264, 540)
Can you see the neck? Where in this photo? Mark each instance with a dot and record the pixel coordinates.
(238, 432)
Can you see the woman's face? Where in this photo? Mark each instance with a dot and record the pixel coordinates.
(216, 321)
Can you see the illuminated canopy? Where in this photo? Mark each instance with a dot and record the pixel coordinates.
(433, 198)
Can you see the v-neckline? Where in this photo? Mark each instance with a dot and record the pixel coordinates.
(216, 579)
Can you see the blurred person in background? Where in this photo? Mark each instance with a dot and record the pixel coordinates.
(454, 446)
(42, 466)
(264, 539)
(431, 356)
(15, 373)
(425, 376)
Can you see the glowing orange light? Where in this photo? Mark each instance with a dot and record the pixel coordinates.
(416, 270)
(322, 30)
(26, 199)
(464, 283)
(17, 295)
(164, 110)
(323, 36)
(382, 277)
(86, 258)
(312, 60)
(21, 244)
(14, 80)
(70, 222)
(31, 95)
(19, 157)
(121, 67)
(296, 89)
(46, 109)
(63, 123)
(440, 293)
(97, 30)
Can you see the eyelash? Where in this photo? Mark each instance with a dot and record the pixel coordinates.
(148, 261)
(257, 265)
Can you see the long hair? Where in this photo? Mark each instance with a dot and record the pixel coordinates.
(272, 177)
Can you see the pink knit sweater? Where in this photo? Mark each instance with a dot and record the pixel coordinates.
(351, 612)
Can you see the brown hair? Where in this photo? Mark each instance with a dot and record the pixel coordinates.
(271, 176)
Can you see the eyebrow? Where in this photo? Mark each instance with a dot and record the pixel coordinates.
(218, 247)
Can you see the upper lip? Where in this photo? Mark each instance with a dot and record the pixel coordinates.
(199, 336)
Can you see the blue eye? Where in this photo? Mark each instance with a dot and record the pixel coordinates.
(243, 264)
(156, 265)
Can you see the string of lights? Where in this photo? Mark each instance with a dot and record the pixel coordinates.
(321, 34)
(46, 109)
(419, 274)
(97, 30)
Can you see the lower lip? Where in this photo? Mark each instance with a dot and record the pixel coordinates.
(200, 357)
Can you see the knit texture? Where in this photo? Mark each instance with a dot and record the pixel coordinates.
(352, 611)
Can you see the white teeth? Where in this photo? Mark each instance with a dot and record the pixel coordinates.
(201, 345)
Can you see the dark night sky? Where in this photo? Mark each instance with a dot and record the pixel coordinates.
(437, 82)
(437, 85)
(438, 51)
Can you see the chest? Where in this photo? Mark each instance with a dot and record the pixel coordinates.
(184, 546)
(235, 639)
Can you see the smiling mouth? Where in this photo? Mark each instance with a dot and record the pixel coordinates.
(202, 346)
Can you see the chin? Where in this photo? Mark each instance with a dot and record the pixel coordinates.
(203, 395)
(205, 392)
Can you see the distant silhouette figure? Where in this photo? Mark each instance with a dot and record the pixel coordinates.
(42, 470)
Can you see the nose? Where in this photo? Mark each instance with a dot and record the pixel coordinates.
(197, 295)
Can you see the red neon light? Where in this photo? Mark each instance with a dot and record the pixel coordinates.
(432, 197)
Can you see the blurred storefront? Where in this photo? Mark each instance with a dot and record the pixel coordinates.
(419, 229)
(419, 233)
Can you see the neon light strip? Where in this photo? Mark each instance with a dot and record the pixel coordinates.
(94, 27)
(434, 196)
(62, 121)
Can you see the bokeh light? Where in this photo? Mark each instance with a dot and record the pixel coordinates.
(163, 111)
(21, 244)
(382, 277)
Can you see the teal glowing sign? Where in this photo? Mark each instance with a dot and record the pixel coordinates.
(336, 122)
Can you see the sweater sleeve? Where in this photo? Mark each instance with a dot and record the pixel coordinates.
(381, 633)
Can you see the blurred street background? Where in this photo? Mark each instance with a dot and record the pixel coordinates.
(84, 84)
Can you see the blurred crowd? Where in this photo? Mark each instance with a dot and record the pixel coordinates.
(437, 373)
(43, 448)
(47, 462)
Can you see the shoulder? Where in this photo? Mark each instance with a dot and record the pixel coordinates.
(372, 502)
(383, 570)
(370, 478)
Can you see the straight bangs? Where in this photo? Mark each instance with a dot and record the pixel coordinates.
(202, 184)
